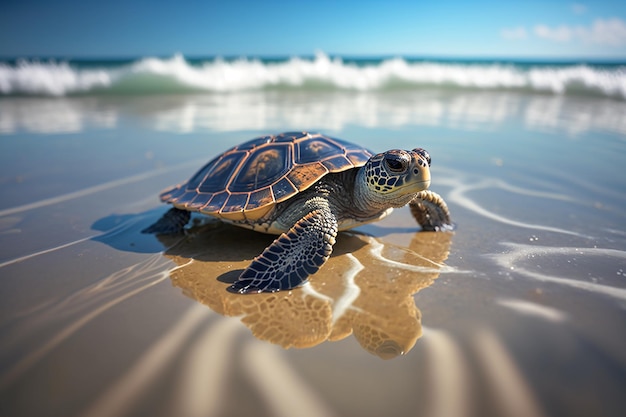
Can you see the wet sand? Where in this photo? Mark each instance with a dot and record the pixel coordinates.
(519, 312)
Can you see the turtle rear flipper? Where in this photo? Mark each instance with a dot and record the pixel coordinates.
(295, 255)
(171, 223)
(431, 212)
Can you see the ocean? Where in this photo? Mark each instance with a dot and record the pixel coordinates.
(519, 311)
(177, 74)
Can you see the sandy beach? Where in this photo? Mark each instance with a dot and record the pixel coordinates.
(520, 311)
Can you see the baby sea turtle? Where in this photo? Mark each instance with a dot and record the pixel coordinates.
(304, 187)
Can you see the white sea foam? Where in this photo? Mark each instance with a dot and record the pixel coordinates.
(51, 78)
(176, 74)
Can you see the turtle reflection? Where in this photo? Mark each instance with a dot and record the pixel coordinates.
(366, 289)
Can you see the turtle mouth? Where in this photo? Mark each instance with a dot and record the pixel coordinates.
(409, 189)
(403, 194)
(415, 186)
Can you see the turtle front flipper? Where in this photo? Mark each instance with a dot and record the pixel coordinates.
(292, 257)
(171, 223)
(431, 212)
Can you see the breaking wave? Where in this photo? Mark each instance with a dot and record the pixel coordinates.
(179, 75)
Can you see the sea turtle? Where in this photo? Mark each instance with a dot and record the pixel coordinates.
(304, 187)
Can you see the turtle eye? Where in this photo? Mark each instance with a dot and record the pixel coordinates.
(395, 163)
(423, 153)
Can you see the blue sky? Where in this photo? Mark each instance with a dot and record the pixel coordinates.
(118, 28)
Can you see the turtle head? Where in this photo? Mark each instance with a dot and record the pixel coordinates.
(393, 178)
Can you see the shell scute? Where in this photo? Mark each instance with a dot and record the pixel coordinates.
(251, 144)
(337, 163)
(217, 202)
(302, 176)
(315, 150)
(236, 202)
(200, 201)
(359, 157)
(218, 173)
(185, 199)
(260, 198)
(291, 136)
(262, 168)
(283, 189)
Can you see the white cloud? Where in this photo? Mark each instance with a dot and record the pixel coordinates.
(578, 8)
(607, 32)
(610, 32)
(514, 33)
(562, 33)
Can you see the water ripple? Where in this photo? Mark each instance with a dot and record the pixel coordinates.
(519, 252)
(459, 196)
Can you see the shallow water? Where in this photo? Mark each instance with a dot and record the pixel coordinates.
(520, 311)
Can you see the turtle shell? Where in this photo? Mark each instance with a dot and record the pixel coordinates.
(245, 182)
